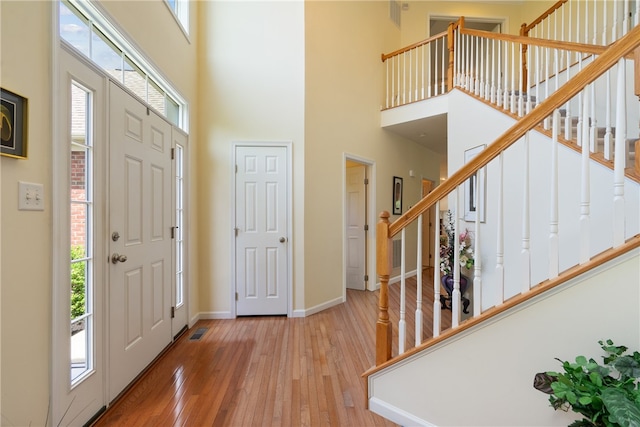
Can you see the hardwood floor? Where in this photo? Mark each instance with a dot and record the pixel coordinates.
(265, 371)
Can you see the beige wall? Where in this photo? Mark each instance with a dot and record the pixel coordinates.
(344, 41)
(415, 20)
(26, 238)
(25, 277)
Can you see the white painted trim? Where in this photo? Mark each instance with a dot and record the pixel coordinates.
(318, 308)
(214, 315)
(372, 215)
(290, 241)
(394, 414)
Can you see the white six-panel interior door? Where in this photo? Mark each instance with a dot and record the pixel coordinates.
(261, 230)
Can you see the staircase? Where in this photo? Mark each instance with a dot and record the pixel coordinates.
(558, 246)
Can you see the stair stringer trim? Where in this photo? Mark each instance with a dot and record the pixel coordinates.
(629, 264)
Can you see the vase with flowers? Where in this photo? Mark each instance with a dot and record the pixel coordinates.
(447, 259)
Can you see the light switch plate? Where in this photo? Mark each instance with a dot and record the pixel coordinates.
(30, 196)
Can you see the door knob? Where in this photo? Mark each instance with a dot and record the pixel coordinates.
(116, 258)
(282, 240)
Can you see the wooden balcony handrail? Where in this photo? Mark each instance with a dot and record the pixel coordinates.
(413, 46)
(524, 29)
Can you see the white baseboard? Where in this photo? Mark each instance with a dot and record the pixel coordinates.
(214, 315)
(396, 415)
(318, 308)
(395, 279)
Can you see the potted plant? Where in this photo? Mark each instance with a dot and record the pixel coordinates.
(606, 395)
(447, 259)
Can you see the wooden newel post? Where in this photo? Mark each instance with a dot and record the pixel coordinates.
(525, 33)
(383, 268)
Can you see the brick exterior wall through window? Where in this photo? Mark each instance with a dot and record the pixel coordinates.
(78, 192)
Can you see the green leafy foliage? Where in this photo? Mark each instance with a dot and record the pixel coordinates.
(77, 282)
(606, 395)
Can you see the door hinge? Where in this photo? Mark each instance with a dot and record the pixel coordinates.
(173, 154)
(366, 181)
(236, 168)
(236, 296)
(173, 312)
(236, 231)
(366, 277)
(173, 232)
(366, 227)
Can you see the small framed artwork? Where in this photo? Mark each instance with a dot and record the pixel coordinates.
(13, 125)
(474, 189)
(397, 195)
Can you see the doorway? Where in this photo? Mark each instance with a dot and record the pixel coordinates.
(357, 218)
(115, 213)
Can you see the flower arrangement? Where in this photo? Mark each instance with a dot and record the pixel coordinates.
(447, 247)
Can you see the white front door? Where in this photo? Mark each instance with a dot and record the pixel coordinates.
(261, 228)
(140, 238)
(355, 223)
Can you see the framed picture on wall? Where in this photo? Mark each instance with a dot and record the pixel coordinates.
(13, 126)
(397, 195)
(474, 189)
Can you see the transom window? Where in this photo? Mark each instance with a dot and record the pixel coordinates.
(180, 9)
(83, 27)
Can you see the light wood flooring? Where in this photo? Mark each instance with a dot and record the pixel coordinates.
(267, 371)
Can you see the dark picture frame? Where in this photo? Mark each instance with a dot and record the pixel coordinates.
(13, 130)
(397, 195)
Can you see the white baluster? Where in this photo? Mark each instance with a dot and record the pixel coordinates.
(476, 67)
(625, 20)
(538, 75)
(520, 83)
(424, 60)
(529, 75)
(444, 66)
(620, 156)
(418, 316)
(586, 22)
(409, 71)
(608, 135)
(387, 83)
(614, 27)
(404, 78)
(513, 79)
(636, 18)
(402, 324)
(592, 121)
(525, 254)
(437, 308)
(500, 233)
(468, 57)
(457, 52)
(435, 69)
(481, 66)
(456, 295)
(487, 62)
(493, 71)
(554, 250)
(429, 71)
(546, 76)
(499, 75)
(477, 266)
(585, 197)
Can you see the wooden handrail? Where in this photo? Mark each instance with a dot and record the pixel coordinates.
(553, 44)
(524, 29)
(591, 72)
(413, 46)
